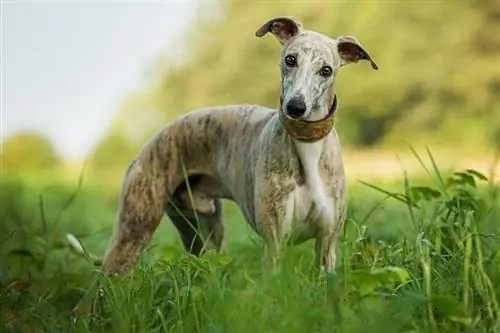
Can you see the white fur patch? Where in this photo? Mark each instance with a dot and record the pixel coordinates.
(312, 192)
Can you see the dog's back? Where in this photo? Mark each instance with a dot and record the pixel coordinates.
(206, 141)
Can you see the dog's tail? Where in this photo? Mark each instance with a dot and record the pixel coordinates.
(77, 247)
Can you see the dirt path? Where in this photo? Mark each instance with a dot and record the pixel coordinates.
(388, 164)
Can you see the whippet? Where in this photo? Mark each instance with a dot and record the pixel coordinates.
(283, 167)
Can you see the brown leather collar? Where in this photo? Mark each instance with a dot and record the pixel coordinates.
(309, 131)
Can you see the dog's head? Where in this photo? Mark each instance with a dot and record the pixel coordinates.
(309, 64)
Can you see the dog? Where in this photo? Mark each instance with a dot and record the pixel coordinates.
(282, 167)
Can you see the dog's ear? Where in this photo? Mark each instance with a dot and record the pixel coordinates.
(351, 51)
(283, 28)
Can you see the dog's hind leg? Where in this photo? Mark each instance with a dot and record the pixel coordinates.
(199, 231)
(140, 212)
(141, 209)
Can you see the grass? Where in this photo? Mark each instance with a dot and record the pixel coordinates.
(417, 255)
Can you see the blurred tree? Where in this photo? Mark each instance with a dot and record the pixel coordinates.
(138, 116)
(438, 79)
(29, 151)
(112, 151)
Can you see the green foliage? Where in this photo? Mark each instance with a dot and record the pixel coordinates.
(453, 248)
(434, 268)
(438, 80)
(28, 151)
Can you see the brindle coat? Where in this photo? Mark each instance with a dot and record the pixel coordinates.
(243, 153)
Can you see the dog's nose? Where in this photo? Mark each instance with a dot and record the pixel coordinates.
(296, 107)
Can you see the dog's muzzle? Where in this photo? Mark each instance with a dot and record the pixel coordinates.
(296, 107)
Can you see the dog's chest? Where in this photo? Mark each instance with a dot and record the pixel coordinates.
(310, 208)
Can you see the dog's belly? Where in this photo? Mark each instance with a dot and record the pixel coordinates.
(308, 215)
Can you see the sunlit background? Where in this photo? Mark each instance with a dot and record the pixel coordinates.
(92, 81)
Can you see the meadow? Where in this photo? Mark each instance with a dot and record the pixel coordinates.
(419, 254)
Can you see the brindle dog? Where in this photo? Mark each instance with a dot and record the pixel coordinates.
(283, 167)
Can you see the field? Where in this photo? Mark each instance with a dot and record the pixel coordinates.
(420, 250)
(419, 254)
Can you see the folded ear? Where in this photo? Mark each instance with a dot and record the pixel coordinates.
(350, 50)
(283, 28)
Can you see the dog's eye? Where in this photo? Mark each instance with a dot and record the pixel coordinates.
(290, 60)
(325, 71)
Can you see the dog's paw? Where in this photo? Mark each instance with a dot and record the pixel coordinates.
(326, 274)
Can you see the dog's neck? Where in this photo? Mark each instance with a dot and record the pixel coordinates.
(309, 130)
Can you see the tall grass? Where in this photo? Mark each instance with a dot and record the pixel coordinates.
(421, 257)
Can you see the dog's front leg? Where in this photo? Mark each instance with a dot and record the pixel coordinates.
(272, 219)
(273, 248)
(327, 239)
(325, 253)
